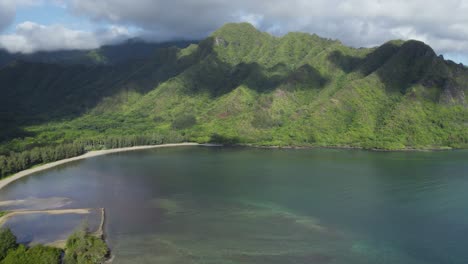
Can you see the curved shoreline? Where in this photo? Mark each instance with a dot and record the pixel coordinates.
(4, 182)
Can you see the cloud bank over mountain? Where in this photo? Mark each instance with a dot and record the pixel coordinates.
(441, 24)
(29, 37)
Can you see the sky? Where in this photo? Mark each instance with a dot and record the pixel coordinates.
(44, 25)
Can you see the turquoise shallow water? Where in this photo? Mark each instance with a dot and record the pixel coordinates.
(241, 205)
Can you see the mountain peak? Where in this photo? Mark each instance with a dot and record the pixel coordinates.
(236, 27)
(418, 48)
(236, 32)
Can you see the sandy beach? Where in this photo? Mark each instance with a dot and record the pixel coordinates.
(9, 215)
(91, 154)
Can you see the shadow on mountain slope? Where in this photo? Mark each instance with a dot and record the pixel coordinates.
(35, 93)
(398, 66)
(402, 65)
(217, 77)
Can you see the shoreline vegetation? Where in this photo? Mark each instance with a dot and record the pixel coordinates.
(21, 174)
(95, 153)
(80, 247)
(17, 163)
(352, 147)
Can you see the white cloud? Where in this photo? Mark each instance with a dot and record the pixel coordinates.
(7, 13)
(254, 19)
(30, 37)
(8, 10)
(443, 24)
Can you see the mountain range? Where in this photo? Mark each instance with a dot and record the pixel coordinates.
(239, 85)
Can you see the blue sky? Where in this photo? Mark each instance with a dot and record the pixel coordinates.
(48, 14)
(32, 25)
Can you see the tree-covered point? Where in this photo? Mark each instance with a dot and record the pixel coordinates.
(7, 242)
(84, 248)
(35, 255)
(240, 85)
(12, 253)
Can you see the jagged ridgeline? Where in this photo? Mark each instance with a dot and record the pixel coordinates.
(241, 85)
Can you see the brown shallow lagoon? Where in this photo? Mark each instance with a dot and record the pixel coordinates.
(244, 205)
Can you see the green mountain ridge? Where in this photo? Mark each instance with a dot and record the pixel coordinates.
(241, 85)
